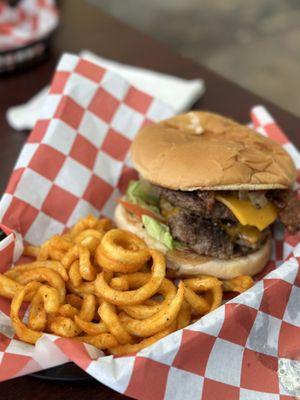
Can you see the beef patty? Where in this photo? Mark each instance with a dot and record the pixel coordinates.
(198, 202)
(209, 238)
(204, 204)
(289, 208)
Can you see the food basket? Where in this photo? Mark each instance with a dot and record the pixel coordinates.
(76, 162)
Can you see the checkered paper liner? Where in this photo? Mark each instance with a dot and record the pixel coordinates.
(76, 162)
(28, 22)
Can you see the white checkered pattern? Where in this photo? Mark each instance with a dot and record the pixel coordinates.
(93, 129)
(223, 351)
(104, 162)
(264, 334)
(126, 121)
(182, 384)
(26, 155)
(67, 136)
(75, 162)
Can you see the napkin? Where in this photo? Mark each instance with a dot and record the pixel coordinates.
(75, 162)
(178, 93)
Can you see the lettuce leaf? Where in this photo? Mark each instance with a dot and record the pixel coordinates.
(142, 193)
(158, 231)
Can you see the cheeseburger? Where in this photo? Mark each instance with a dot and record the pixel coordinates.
(209, 192)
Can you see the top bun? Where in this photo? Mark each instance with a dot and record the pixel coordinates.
(201, 150)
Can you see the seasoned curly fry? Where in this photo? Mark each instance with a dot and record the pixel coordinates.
(207, 301)
(31, 251)
(55, 254)
(202, 283)
(89, 238)
(64, 326)
(88, 307)
(37, 319)
(157, 322)
(84, 288)
(61, 243)
(109, 316)
(238, 284)
(44, 251)
(9, 287)
(44, 301)
(96, 284)
(67, 310)
(50, 298)
(141, 311)
(74, 274)
(134, 296)
(24, 333)
(89, 222)
(119, 283)
(86, 269)
(55, 265)
(184, 315)
(198, 303)
(130, 252)
(42, 275)
(133, 348)
(91, 328)
(74, 300)
(215, 296)
(101, 341)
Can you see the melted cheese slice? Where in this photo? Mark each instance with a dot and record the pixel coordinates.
(248, 214)
(247, 232)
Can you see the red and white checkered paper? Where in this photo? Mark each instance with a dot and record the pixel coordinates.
(28, 22)
(76, 162)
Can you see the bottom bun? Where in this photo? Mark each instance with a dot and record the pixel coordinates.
(190, 263)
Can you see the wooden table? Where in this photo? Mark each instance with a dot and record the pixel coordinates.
(85, 27)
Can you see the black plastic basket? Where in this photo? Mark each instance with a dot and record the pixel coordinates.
(24, 56)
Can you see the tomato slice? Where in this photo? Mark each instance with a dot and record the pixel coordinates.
(139, 211)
